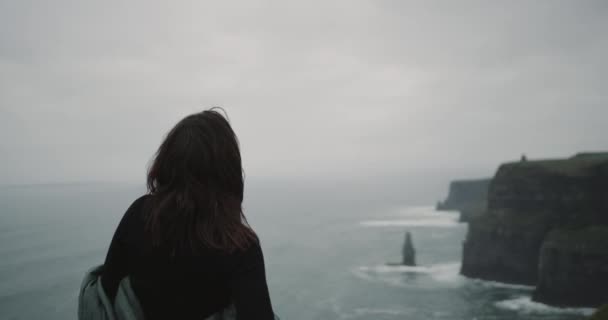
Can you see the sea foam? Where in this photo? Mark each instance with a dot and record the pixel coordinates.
(446, 273)
(525, 305)
(416, 217)
(501, 285)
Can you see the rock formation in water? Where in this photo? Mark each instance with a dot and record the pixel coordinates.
(543, 224)
(409, 253)
(468, 197)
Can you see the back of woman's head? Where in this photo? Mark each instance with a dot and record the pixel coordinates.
(196, 183)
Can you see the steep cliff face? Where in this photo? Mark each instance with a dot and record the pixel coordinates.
(466, 195)
(501, 250)
(466, 215)
(573, 267)
(526, 201)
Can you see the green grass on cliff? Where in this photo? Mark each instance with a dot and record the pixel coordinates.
(575, 166)
(600, 314)
(591, 155)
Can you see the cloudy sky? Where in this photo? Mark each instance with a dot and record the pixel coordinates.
(315, 89)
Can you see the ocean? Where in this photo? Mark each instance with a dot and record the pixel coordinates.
(326, 255)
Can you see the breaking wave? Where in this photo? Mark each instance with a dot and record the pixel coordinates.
(410, 223)
(501, 285)
(447, 273)
(358, 313)
(416, 217)
(525, 305)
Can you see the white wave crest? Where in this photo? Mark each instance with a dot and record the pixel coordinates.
(358, 313)
(525, 305)
(422, 211)
(495, 284)
(444, 272)
(416, 217)
(372, 311)
(437, 223)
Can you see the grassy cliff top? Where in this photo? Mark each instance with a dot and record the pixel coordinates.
(575, 166)
(591, 155)
(472, 181)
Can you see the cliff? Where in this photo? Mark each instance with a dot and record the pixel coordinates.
(573, 267)
(526, 201)
(466, 196)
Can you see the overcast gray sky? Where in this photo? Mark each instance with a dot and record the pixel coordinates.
(314, 89)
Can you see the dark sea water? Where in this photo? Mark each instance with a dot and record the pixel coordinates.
(325, 255)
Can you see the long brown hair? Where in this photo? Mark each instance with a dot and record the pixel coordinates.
(196, 183)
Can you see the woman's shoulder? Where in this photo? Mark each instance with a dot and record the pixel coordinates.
(137, 208)
(139, 203)
(250, 256)
(141, 199)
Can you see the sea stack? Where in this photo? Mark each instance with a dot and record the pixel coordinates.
(409, 253)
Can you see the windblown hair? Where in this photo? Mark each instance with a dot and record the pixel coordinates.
(196, 186)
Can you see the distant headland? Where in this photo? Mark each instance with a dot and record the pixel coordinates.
(466, 196)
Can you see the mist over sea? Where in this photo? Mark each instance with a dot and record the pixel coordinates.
(326, 250)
